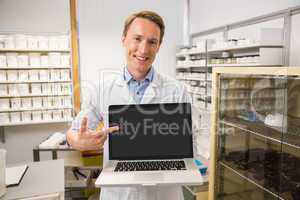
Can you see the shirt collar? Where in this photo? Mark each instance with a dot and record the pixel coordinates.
(128, 77)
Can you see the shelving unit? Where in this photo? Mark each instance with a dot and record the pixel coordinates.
(35, 68)
(255, 150)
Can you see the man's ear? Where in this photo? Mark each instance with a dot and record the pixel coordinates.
(123, 40)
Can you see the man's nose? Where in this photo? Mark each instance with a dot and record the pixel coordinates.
(144, 47)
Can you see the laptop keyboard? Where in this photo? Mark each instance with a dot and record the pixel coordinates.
(150, 165)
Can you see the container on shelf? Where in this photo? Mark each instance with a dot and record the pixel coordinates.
(36, 88)
(47, 115)
(53, 43)
(54, 59)
(32, 42)
(4, 104)
(15, 117)
(35, 59)
(9, 42)
(56, 88)
(43, 42)
(3, 75)
(26, 116)
(57, 102)
(44, 60)
(21, 41)
(3, 90)
(12, 75)
(37, 102)
(4, 118)
(23, 89)
(44, 75)
(12, 89)
(55, 74)
(63, 42)
(23, 75)
(23, 60)
(65, 60)
(67, 101)
(46, 88)
(65, 74)
(15, 103)
(3, 60)
(34, 75)
(57, 115)
(67, 114)
(36, 116)
(12, 59)
(26, 103)
(2, 43)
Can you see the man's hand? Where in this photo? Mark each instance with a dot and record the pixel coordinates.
(86, 139)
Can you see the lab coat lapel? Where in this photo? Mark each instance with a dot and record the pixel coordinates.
(123, 91)
(152, 92)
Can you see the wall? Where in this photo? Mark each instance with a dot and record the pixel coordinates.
(31, 16)
(206, 14)
(100, 31)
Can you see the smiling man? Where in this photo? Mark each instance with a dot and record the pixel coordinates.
(137, 83)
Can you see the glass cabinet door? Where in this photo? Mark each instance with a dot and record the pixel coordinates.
(255, 142)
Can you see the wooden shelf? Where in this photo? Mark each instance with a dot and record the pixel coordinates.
(41, 67)
(35, 50)
(34, 95)
(39, 81)
(35, 122)
(253, 46)
(34, 109)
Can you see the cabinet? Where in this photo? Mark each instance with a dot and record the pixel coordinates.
(35, 79)
(255, 142)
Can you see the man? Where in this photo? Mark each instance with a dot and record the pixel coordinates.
(137, 83)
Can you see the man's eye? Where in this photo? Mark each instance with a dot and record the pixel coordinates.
(137, 39)
(153, 42)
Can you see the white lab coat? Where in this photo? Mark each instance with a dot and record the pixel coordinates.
(113, 90)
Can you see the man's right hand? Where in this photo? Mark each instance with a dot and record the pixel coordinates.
(86, 139)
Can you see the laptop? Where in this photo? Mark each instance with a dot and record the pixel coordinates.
(154, 146)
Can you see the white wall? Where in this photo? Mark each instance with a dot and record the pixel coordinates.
(31, 16)
(206, 14)
(100, 31)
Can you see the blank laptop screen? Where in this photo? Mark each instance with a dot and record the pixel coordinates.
(151, 131)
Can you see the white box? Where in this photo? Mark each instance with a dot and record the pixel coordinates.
(47, 115)
(53, 43)
(23, 75)
(57, 115)
(37, 102)
(12, 75)
(32, 42)
(44, 75)
(4, 104)
(4, 118)
(2, 43)
(15, 117)
(26, 103)
(3, 60)
(65, 60)
(3, 75)
(55, 75)
(65, 74)
(26, 116)
(44, 61)
(36, 88)
(66, 88)
(3, 90)
(43, 43)
(9, 42)
(57, 102)
(54, 59)
(36, 116)
(21, 41)
(63, 42)
(34, 75)
(46, 88)
(23, 89)
(35, 59)
(271, 36)
(56, 88)
(67, 101)
(12, 59)
(13, 89)
(15, 103)
(23, 60)
(67, 114)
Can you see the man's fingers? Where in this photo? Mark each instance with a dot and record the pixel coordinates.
(113, 129)
(83, 126)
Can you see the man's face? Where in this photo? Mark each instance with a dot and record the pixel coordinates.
(141, 44)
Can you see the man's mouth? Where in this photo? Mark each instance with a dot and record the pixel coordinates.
(141, 58)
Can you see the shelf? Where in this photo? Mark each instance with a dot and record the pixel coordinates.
(34, 109)
(191, 79)
(260, 129)
(39, 81)
(242, 65)
(35, 122)
(33, 95)
(253, 46)
(191, 65)
(41, 67)
(183, 54)
(35, 50)
(243, 176)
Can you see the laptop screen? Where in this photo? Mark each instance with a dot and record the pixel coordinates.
(151, 131)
